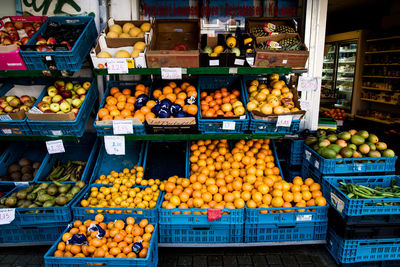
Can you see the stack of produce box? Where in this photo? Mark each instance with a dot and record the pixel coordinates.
(357, 174)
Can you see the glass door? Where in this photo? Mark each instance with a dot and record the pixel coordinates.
(328, 98)
(346, 67)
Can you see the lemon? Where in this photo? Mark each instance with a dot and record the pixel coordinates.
(213, 54)
(218, 49)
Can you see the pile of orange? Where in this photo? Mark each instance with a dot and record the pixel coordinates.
(336, 114)
(117, 242)
(178, 95)
(246, 175)
(121, 105)
(221, 103)
(126, 177)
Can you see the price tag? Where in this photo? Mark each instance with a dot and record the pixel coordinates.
(5, 118)
(232, 70)
(214, 214)
(339, 122)
(115, 144)
(56, 132)
(35, 110)
(214, 62)
(307, 84)
(239, 62)
(305, 105)
(284, 121)
(6, 131)
(308, 155)
(304, 218)
(55, 146)
(122, 127)
(7, 216)
(171, 73)
(117, 66)
(316, 164)
(250, 60)
(228, 125)
(21, 183)
(337, 202)
(284, 61)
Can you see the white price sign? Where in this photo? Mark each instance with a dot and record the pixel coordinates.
(171, 73)
(284, 121)
(35, 110)
(117, 66)
(122, 127)
(307, 84)
(21, 183)
(5, 118)
(228, 125)
(239, 62)
(305, 105)
(7, 216)
(55, 146)
(114, 144)
(214, 62)
(304, 218)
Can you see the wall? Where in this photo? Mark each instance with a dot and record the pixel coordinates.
(7, 8)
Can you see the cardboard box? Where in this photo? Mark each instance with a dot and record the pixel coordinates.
(168, 33)
(252, 22)
(280, 58)
(112, 46)
(128, 40)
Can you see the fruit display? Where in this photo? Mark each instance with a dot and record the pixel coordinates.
(231, 46)
(127, 30)
(245, 175)
(95, 238)
(275, 98)
(173, 101)
(361, 191)
(270, 29)
(127, 177)
(12, 104)
(70, 171)
(221, 103)
(138, 48)
(122, 104)
(348, 144)
(18, 32)
(290, 43)
(336, 114)
(64, 97)
(44, 195)
(22, 170)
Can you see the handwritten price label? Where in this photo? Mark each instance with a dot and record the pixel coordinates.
(250, 60)
(5, 118)
(117, 66)
(228, 125)
(114, 144)
(214, 62)
(284, 121)
(122, 127)
(21, 183)
(239, 62)
(307, 84)
(171, 73)
(54, 147)
(7, 216)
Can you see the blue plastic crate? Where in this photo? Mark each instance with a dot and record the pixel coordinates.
(348, 165)
(64, 60)
(294, 151)
(108, 129)
(358, 207)
(264, 126)
(41, 215)
(285, 232)
(83, 213)
(362, 250)
(135, 153)
(82, 152)
(11, 234)
(188, 233)
(15, 152)
(14, 127)
(214, 125)
(68, 128)
(151, 259)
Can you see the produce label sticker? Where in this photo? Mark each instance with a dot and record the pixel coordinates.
(358, 167)
(7, 216)
(21, 183)
(55, 146)
(214, 62)
(56, 132)
(115, 144)
(304, 218)
(284, 61)
(250, 60)
(214, 214)
(228, 125)
(316, 164)
(171, 73)
(117, 66)
(239, 62)
(308, 155)
(307, 84)
(122, 127)
(5, 118)
(233, 70)
(284, 121)
(337, 202)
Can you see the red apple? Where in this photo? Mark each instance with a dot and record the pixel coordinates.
(37, 25)
(43, 106)
(8, 24)
(48, 110)
(14, 36)
(30, 33)
(51, 40)
(40, 41)
(75, 111)
(67, 44)
(59, 83)
(24, 98)
(14, 103)
(6, 40)
(19, 25)
(56, 99)
(66, 94)
(11, 29)
(8, 109)
(16, 42)
(3, 104)
(24, 40)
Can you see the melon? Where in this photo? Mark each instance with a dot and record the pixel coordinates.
(124, 35)
(112, 34)
(145, 27)
(134, 32)
(103, 54)
(116, 28)
(127, 27)
(122, 54)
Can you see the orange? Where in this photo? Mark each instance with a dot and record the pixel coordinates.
(239, 203)
(308, 181)
(171, 97)
(129, 106)
(115, 113)
(316, 194)
(131, 99)
(288, 196)
(149, 228)
(103, 112)
(119, 224)
(277, 202)
(143, 223)
(61, 246)
(192, 109)
(75, 249)
(151, 103)
(181, 95)
(66, 236)
(315, 187)
(114, 90)
(140, 87)
(167, 90)
(297, 197)
(126, 113)
(139, 115)
(111, 100)
(111, 107)
(320, 201)
(58, 253)
(126, 92)
(157, 93)
(120, 105)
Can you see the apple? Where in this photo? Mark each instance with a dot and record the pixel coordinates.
(9, 24)
(48, 111)
(66, 94)
(52, 91)
(3, 104)
(77, 103)
(15, 102)
(73, 93)
(37, 25)
(69, 86)
(33, 98)
(24, 108)
(19, 25)
(29, 28)
(11, 28)
(77, 86)
(69, 100)
(46, 99)
(26, 24)
(82, 98)
(8, 109)
(67, 44)
(15, 110)
(16, 42)
(55, 107)
(24, 40)
(6, 40)
(30, 33)
(9, 98)
(75, 97)
(51, 40)
(86, 85)
(59, 83)
(24, 98)
(75, 111)
(29, 103)
(14, 36)
(41, 41)
(81, 91)
(65, 107)
(56, 99)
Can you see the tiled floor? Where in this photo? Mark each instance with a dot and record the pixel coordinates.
(291, 256)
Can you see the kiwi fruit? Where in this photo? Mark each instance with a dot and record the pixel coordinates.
(36, 165)
(14, 168)
(16, 176)
(24, 162)
(27, 169)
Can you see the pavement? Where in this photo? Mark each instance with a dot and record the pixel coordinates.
(291, 256)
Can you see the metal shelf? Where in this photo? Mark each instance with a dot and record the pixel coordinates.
(233, 245)
(212, 70)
